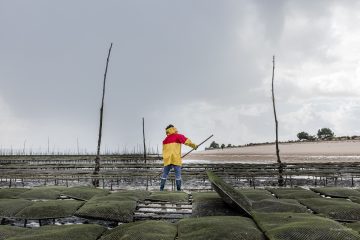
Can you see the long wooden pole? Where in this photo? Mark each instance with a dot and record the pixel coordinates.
(143, 127)
(97, 159)
(198, 146)
(280, 180)
(147, 176)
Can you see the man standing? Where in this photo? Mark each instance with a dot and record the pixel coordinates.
(172, 155)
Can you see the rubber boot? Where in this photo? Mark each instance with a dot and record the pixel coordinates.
(162, 184)
(178, 185)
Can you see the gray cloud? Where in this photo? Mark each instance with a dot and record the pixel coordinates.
(202, 65)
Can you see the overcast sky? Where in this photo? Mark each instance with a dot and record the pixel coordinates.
(204, 66)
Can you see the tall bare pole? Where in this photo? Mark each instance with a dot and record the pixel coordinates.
(48, 146)
(280, 180)
(147, 176)
(143, 127)
(24, 147)
(95, 181)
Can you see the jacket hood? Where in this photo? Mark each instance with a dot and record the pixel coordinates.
(171, 130)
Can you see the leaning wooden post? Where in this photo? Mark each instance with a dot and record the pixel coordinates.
(280, 179)
(95, 181)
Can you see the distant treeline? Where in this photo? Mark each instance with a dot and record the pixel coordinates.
(323, 134)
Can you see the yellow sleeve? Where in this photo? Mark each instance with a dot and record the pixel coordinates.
(189, 143)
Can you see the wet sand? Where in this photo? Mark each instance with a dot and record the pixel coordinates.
(321, 151)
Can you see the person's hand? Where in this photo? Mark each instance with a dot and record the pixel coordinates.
(195, 147)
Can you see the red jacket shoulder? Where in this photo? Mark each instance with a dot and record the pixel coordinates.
(175, 138)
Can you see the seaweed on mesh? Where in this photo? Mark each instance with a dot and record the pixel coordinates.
(165, 196)
(49, 209)
(256, 194)
(354, 226)
(133, 195)
(11, 192)
(355, 199)
(338, 209)
(10, 207)
(336, 192)
(84, 193)
(10, 231)
(219, 227)
(112, 210)
(45, 193)
(210, 204)
(54, 232)
(138, 195)
(302, 226)
(278, 205)
(232, 197)
(293, 193)
(147, 230)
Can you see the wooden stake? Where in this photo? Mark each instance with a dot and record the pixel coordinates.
(147, 177)
(143, 125)
(95, 181)
(280, 179)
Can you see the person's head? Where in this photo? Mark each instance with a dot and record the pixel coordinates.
(170, 129)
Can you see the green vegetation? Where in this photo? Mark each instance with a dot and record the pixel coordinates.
(305, 136)
(325, 133)
(322, 134)
(214, 144)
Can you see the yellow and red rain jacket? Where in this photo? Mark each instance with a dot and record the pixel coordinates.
(172, 147)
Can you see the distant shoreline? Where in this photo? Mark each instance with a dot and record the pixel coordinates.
(304, 151)
(335, 139)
